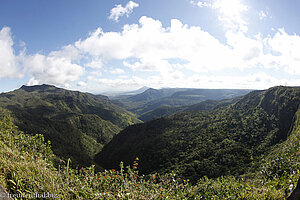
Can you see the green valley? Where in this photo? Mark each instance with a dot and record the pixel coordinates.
(77, 124)
(224, 141)
(154, 103)
(58, 141)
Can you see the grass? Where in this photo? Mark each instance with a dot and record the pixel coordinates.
(26, 167)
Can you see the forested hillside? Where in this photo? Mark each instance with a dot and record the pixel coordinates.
(214, 143)
(168, 110)
(155, 103)
(77, 124)
(26, 168)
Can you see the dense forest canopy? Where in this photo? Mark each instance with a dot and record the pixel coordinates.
(211, 143)
(246, 147)
(77, 124)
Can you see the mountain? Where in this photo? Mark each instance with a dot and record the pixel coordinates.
(147, 95)
(27, 168)
(77, 124)
(223, 141)
(138, 91)
(153, 99)
(153, 94)
(164, 111)
(134, 92)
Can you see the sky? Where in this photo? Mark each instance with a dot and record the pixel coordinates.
(111, 46)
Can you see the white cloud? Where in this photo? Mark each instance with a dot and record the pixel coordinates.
(96, 73)
(200, 3)
(57, 68)
(81, 84)
(168, 53)
(230, 12)
(143, 50)
(104, 84)
(119, 11)
(117, 71)
(284, 53)
(149, 64)
(258, 80)
(109, 45)
(262, 15)
(51, 69)
(68, 52)
(151, 45)
(247, 49)
(96, 63)
(9, 62)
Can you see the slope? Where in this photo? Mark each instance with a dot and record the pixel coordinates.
(78, 124)
(27, 170)
(153, 99)
(213, 143)
(164, 111)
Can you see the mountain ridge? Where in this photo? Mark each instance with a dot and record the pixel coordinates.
(152, 99)
(78, 124)
(209, 143)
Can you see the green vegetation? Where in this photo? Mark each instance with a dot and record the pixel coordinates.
(220, 142)
(164, 111)
(154, 103)
(77, 124)
(26, 167)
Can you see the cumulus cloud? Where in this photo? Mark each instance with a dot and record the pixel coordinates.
(117, 71)
(96, 63)
(230, 13)
(9, 62)
(169, 54)
(51, 69)
(81, 84)
(248, 49)
(126, 83)
(284, 52)
(119, 11)
(152, 46)
(68, 52)
(96, 73)
(56, 68)
(258, 80)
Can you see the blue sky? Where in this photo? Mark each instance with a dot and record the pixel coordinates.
(99, 46)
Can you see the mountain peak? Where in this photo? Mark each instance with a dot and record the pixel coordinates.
(42, 87)
(142, 89)
(150, 90)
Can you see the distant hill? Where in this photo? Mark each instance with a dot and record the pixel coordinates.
(27, 167)
(77, 124)
(138, 91)
(223, 141)
(160, 99)
(164, 111)
(134, 92)
(153, 94)
(147, 95)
